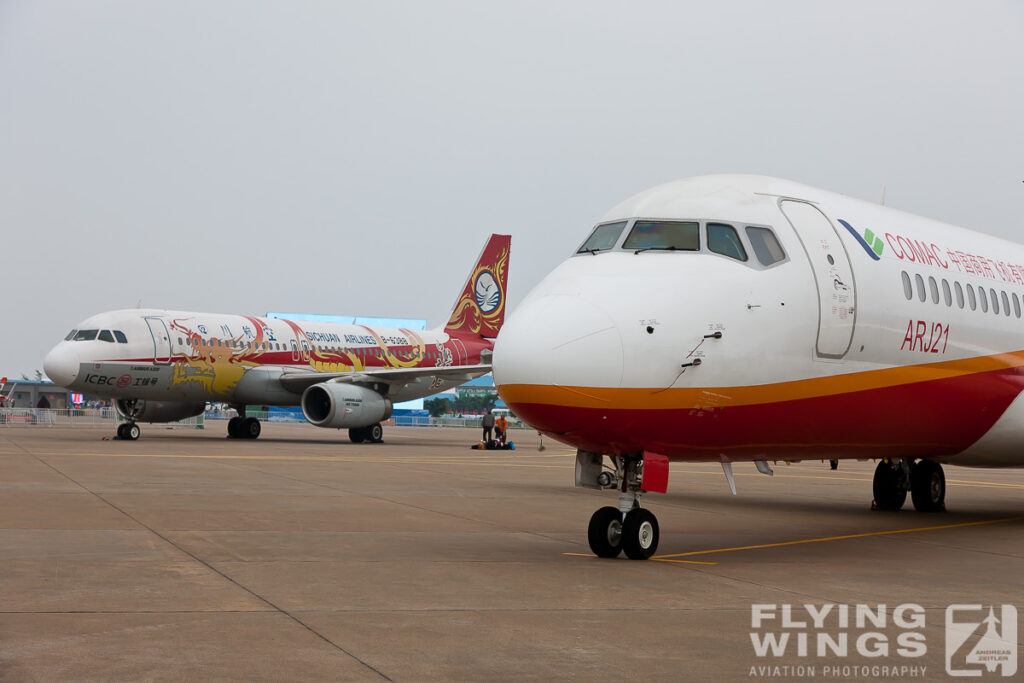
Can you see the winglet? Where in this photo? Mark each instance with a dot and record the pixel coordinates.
(480, 308)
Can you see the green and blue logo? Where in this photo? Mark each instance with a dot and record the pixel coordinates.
(872, 243)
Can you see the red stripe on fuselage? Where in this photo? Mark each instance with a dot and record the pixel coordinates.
(933, 418)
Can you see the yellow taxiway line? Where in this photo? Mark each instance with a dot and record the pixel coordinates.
(837, 538)
(653, 558)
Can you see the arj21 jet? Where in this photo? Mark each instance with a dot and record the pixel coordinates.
(163, 366)
(736, 318)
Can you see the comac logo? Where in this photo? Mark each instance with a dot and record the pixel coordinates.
(872, 243)
(487, 292)
(995, 647)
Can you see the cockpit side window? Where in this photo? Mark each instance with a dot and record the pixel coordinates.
(119, 336)
(71, 335)
(603, 238)
(669, 235)
(766, 246)
(106, 336)
(723, 239)
(86, 335)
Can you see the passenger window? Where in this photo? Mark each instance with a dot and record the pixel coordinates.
(920, 287)
(766, 247)
(946, 294)
(995, 301)
(723, 239)
(908, 289)
(970, 298)
(959, 295)
(667, 235)
(71, 335)
(1006, 302)
(604, 237)
(983, 299)
(1016, 305)
(934, 287)
(86, 335)
(106, 336)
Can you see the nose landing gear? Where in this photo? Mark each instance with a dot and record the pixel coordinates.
(129, 431)
(628, 528)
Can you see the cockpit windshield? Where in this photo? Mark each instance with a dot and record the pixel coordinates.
(670, 235)
(111, 336)
(603, 238)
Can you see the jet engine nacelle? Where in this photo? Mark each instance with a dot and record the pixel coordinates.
(332, 404)
(138, 410)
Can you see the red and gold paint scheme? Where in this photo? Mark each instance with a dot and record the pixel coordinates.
(181, 360)
(851, 331)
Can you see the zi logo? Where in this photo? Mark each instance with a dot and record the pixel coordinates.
(871, 242)
(978, 641)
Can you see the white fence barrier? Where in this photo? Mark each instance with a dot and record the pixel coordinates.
(99, 417)
(72, 417)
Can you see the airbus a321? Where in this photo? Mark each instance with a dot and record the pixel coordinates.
(737, 318)
(163, 366)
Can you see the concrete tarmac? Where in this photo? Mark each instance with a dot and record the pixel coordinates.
(301, 556)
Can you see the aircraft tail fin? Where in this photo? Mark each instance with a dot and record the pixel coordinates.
(480, 308)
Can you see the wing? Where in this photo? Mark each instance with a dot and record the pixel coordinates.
(298, 380)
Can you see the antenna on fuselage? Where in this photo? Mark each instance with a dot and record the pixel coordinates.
(138, 304)
(882, 200)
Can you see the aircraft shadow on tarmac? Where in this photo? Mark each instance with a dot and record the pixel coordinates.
(778, 503)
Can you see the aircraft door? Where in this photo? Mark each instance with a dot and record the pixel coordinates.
(459, 353)
(833, 277)
(161, 340)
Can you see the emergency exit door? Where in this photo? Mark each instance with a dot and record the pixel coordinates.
(833, 277)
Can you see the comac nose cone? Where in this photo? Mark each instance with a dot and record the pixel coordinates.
(556, 341)
(61, 365)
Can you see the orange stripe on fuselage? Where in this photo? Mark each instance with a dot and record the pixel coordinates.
(816, 387)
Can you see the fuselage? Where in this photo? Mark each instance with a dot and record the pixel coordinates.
(190, 356)
(859, 332)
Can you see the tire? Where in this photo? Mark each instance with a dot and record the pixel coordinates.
(640, 534)
(375, 433)
(357, 435)
(233, 425)
(250, 428)
(605, 532)
(132, 431)
(889, 494)
(120, 431)
(928, 486)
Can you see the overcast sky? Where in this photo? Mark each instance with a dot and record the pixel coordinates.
(352, 157)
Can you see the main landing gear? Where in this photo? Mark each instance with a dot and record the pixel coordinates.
(243, 427)
(129, 431)
(627, 528)
(372, 434)
(925, 481)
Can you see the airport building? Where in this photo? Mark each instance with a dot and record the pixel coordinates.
(29, 393)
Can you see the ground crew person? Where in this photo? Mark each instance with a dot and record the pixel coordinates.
(488, 424)
(501, 428)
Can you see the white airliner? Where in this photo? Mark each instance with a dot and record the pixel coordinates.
(163, 366)
(736, 318)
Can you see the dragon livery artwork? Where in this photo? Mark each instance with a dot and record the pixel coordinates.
(163, 366)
